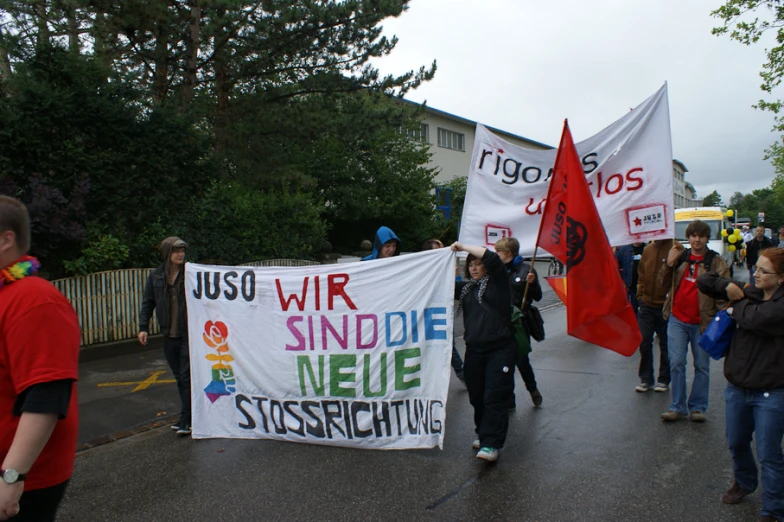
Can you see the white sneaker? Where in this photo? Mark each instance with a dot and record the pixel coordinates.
(476, 444)
(661, 387)
(488, 454)
(642, 387)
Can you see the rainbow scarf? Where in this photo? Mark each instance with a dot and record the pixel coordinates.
(22, 267)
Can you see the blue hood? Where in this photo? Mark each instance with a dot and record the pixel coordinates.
(383, 235)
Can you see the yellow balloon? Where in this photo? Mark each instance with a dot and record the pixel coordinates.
(731, 248)
(730, 213)
(733, 238)
(737, 232)
(724, 232)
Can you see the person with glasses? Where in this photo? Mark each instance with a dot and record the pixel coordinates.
(754, 368)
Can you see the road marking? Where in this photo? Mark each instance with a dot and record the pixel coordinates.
(141, 385)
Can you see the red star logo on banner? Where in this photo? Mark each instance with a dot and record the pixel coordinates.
(637, 222)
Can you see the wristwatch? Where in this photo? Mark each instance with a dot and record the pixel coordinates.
(11, 476)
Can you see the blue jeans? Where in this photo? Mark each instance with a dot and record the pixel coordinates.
(761, 412)
(679, 336)
(751, 276)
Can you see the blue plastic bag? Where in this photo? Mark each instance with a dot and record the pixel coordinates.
(718, 335)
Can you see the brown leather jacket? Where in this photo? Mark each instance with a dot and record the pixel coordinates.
(709, 306)
(649, 291)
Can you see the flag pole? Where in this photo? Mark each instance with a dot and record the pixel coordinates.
(539, 232)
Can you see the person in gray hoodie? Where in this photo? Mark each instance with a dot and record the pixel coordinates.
(165, 293)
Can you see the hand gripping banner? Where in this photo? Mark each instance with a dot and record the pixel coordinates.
(628, 167)
(347, 355)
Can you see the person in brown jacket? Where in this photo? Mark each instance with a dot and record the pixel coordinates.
(650, 298)
(689, 312)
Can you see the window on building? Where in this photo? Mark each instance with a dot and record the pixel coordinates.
(444, 201)
(421, 134)
(451, 140)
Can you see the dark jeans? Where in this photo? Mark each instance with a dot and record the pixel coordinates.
(457, 362)
(632, 295)
(651, 321)
(40, 505)
(758, 414)
(526, 372)
(175, 349)
(489, 376)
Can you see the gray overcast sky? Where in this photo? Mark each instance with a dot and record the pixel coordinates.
(525, 65)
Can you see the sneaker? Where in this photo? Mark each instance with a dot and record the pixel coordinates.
(661, 387)
(642, 387)
(184, 430)
(697, 416)
(476, 444)
(177, 425)
(537, 398)
(735, 494)
(672, 416)
(488, 454)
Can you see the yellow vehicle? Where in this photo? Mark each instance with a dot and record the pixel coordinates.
(715, 217)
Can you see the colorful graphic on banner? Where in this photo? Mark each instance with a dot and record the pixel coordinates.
(350, 355)
(628, 167)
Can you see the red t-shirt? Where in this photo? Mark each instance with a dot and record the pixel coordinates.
(686, 307)
(39, 342)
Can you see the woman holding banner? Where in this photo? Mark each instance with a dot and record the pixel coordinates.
(491, 351)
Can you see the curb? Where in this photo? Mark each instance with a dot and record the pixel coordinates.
(97, 352)
(100, 441)
(550, 307)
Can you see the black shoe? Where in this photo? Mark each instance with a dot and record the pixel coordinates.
(179, 424)
(184, 430)
(537, 398)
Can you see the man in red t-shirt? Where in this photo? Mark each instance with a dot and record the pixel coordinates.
(689, 311)
(39, 362)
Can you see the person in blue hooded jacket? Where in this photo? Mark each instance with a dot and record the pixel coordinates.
(386, 244)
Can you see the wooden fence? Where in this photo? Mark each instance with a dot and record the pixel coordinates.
(108, 303)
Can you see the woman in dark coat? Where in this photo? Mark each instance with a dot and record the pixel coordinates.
(486, 299)
(754, 368)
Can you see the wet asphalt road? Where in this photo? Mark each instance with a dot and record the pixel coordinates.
(595, 450)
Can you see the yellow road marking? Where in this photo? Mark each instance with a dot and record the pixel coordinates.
(141, 385)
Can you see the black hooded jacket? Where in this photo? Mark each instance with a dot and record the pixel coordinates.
(488, 324)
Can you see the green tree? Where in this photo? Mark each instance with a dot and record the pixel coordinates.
(67, 130)
(712, 200)
(160, 107)
(741, 21)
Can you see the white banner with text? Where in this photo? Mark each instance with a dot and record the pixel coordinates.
(355, 354)
(629, 170)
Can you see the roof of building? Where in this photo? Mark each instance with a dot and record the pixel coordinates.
(680, 164)
(466, 121)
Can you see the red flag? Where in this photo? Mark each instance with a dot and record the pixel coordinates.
(597, 308)
(558, 283)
